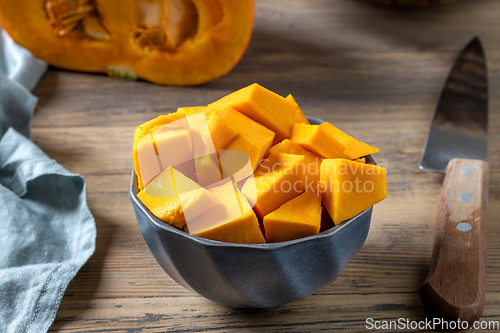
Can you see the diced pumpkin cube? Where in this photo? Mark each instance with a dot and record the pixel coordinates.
(311, 163)
(146, 128)
(297, 218)
(232, 221)
(167, 209)
(148, 153)
(146, 164)
(349, 187)
(173, 146)
(288, 147)
(263, 106)
(164, 185)
(175, 199)
(353, 147)
(316, 139)
(300, 117)
(221, 130)
(232, 130)
(205, 157)
(166, 146)
(277, 180)
(195, 200)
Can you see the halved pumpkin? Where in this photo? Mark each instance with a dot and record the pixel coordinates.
(174, 42)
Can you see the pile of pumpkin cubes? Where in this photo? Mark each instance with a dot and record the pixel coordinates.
(250, 168)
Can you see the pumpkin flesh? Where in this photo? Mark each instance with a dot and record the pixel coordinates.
(175, 42)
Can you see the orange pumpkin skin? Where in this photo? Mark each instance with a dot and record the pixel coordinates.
(203, 40)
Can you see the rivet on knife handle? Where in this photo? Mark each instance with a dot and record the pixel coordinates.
(455, 286)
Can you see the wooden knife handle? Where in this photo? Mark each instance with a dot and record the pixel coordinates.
(455, 286)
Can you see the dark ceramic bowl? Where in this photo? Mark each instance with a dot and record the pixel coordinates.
(259, 275)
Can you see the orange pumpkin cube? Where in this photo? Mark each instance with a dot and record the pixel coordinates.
(175, 199)
(155, 144)
(277, 180)
(232, 130)
(316, 139)
(204, 154)
(263, 106)
(349, 187)
(173, 146)
(233, 220)
(353, 147)
(311, 163)
(300, 117)
(147, 127)
(297, 218)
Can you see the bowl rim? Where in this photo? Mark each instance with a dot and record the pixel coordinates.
(267, 246)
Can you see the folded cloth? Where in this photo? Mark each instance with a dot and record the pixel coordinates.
(18, 63)
(16, 106)
(47, 232)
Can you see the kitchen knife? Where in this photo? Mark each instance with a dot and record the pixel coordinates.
(457, 144)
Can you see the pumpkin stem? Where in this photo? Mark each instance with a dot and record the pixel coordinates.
(122, 72)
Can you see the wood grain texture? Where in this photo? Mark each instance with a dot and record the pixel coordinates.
(372, 70)
(455, 286)
(412, 3)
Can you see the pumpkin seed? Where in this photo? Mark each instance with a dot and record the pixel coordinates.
(66, 16)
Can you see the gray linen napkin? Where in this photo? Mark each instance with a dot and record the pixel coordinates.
(47, 232)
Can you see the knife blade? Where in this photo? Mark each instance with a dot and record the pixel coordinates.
(457, 145)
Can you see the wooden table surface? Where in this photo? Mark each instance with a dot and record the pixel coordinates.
(372, 70)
